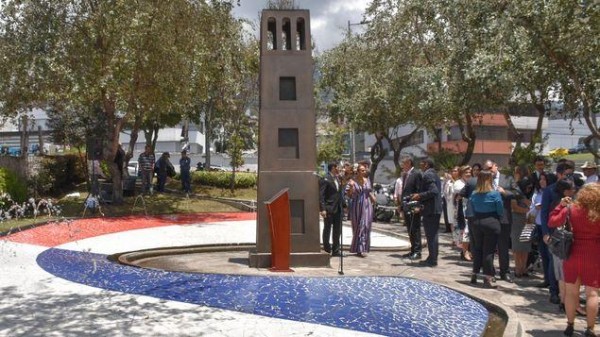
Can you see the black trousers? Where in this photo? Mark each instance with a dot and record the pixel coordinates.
(445, 212)
(431, 224)
(413, 226)
(332, 223)
(486, 230)
(503, 248)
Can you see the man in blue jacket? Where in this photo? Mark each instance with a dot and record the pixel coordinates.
(549, 198)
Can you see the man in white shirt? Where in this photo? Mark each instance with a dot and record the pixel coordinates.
(590, 171)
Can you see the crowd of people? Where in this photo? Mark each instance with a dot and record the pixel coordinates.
(487, 212)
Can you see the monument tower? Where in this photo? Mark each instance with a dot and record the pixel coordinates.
(287, 136)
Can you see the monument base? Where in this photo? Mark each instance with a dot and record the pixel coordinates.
(263, 260)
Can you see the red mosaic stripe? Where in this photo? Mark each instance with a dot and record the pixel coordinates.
(58, 233)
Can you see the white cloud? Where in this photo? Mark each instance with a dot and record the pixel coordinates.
(329, 18)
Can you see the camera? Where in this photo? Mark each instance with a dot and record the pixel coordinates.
(409, 206)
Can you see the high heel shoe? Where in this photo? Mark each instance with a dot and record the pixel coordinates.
(474, 279)
(569, 330)
(589, 332)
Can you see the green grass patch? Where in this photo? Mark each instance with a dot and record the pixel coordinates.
(157, 204)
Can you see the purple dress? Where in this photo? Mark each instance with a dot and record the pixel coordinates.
(361, 217)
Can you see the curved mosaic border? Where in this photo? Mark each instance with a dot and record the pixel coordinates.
(392, 306)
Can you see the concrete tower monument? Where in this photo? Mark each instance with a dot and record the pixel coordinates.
(287, 136)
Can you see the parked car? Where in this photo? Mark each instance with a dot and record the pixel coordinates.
(202, 166)
(133, 168)
(14, 151)
(579, 148)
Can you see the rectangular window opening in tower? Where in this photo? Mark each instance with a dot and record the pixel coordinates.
(287, 88)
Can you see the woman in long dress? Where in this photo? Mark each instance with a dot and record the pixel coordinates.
(359, 192)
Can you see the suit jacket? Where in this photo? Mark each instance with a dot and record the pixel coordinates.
(508, 184)
(430, 193)
(330, 198)
(412, 183)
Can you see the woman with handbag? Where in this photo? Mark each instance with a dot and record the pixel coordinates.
(582, 267)
(522, 191)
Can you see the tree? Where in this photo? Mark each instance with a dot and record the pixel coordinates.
(122, 60)
(565, 35)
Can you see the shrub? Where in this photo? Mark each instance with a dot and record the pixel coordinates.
(12, 185)
(445, 159)
(223, 179)
(59, 174)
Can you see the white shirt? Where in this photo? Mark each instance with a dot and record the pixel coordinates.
(398, 189)
(591, 179)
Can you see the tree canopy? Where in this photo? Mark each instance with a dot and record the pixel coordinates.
(431, 64)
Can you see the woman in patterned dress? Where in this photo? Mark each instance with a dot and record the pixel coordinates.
(583, 266)
(361, 198)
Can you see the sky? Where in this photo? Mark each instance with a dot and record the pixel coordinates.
(328, 18)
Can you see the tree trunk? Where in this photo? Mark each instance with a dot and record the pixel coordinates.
(468, 135)
(24, 142)
(207, 134)
(133, 138)
(377, 155)
(114, 126)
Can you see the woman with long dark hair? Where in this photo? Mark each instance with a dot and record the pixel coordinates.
(361, 198)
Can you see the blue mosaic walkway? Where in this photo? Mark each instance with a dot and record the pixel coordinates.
(392, 306)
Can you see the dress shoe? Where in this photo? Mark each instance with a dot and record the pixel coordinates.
(427, 263)
(542, 285)
(415, 256)
(474, 279)
(506, 277)
(488, 283)
(569, 330)
(554, 299)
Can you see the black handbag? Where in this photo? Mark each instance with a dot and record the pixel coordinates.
(561, 239)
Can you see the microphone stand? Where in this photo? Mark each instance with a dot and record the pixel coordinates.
(341, 269)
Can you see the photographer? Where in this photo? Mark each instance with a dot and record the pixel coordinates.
(412, 219)
(431, 197)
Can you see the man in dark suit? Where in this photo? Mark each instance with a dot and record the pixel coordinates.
(504, 185)
(430, 195)
(550, 198)
(411, 185)
(331, 206)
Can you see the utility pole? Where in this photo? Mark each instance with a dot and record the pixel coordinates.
(352, 132)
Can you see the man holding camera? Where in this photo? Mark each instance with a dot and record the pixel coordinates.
(430, 196)
(412, 218)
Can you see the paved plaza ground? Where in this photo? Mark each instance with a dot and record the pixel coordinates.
(56, 280)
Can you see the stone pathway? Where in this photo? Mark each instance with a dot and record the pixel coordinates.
(37, 303)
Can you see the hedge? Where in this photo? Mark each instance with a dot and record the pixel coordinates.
(11, 184)
(223, 179)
